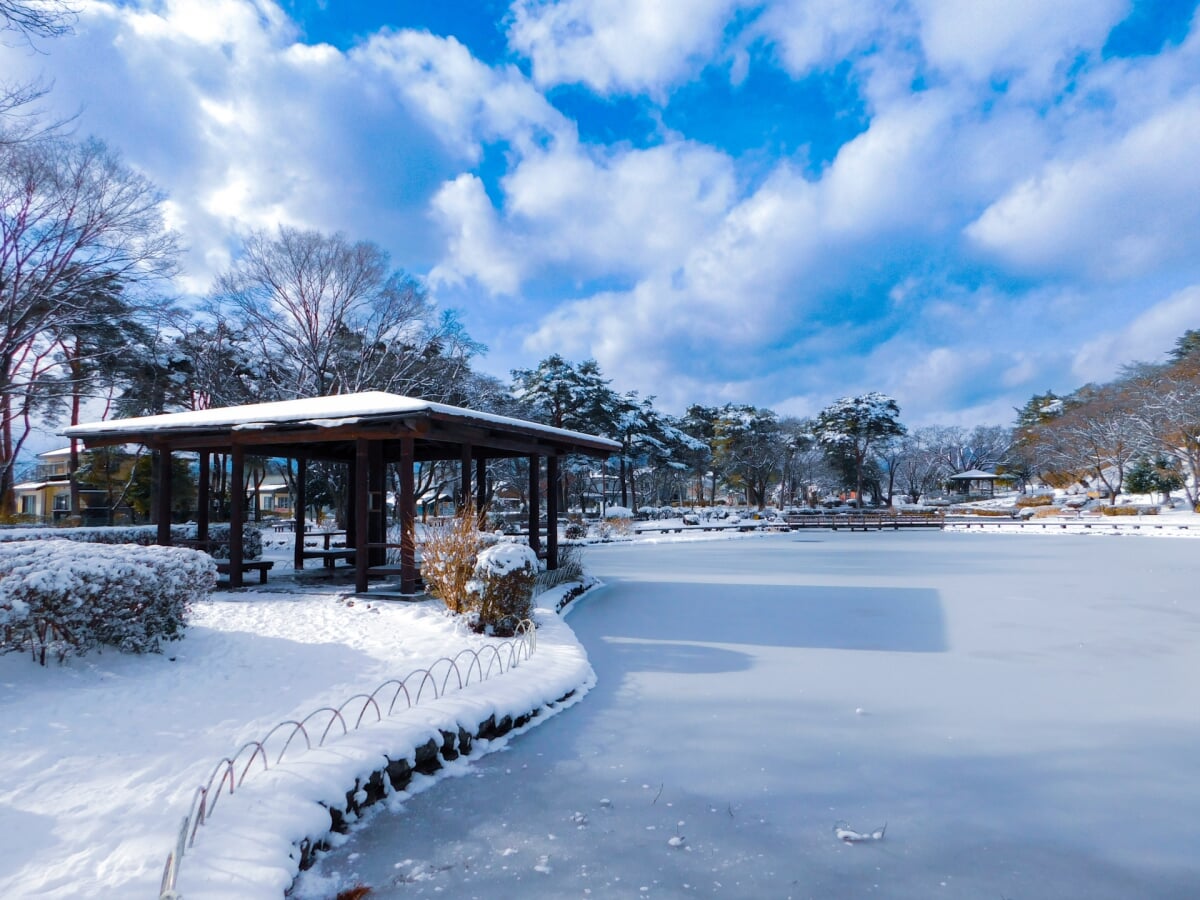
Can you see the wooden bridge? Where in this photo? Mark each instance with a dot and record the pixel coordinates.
(867, 521)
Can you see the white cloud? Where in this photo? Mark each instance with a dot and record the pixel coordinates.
(476, 248)
(244, 127)
(1118, 211)
(618, 46)
(818, 34)
(1147, 337)
(462, 100)
(1027, 40)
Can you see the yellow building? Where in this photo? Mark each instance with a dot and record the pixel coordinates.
(48, 497)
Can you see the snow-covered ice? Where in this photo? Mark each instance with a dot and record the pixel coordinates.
(1021, 713)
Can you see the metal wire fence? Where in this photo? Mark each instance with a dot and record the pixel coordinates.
(292, 737)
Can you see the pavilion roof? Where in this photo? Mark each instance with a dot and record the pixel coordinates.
(974, 475)
(325, 427)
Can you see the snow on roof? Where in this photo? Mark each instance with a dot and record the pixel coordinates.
(972, 474)
(321, 411)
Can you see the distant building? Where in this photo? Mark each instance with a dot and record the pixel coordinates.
(48, 496)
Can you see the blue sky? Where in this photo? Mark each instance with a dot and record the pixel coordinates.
(776, 202)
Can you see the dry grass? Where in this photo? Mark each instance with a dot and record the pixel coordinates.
(570, 568)
(1035, 500)
(448, 559)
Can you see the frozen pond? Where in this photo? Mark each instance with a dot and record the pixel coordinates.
(1022, 712)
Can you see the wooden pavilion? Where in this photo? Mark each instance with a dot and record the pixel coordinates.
(366, 432)
(974, 482)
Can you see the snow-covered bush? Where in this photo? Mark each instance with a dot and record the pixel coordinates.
(142, 535)
(218, 533)
(618, 512)
(65, 597)
(575, 531)
(503, 586)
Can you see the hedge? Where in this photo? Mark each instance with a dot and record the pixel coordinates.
(142, 535)
(64, 597)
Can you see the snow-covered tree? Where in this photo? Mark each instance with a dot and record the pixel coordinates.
(855, 427)
(749, 449)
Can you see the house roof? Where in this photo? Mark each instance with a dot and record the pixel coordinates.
(326, 427)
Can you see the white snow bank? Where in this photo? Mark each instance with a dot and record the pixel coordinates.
(249, 850)
(102, 755)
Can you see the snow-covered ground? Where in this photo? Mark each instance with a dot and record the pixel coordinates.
(1021, 714)
(101, 756)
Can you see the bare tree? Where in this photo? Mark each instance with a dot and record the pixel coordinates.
(919, 462)
(1165, 401)
(19, 120)
(1096, 433)
(72, 216)
(41, 18)
(326, 316)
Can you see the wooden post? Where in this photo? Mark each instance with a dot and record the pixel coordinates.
(481, 494)
(408, 519)
(362, 506)
(376, 485)
(162, 501)
(237, 510)
(464, 487)
(202, 499)
(552, 511)
(535, 503)
(298, 512)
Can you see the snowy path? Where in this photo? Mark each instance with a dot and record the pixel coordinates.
(1023, 714)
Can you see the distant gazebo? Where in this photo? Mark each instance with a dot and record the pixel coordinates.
(365, 431)
(973, 482)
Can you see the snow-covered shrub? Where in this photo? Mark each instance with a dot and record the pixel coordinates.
(575, 531)
(218, 533)
(618, 512)
(142, 535)
(65, 597)
(448, 555)
(503, 585)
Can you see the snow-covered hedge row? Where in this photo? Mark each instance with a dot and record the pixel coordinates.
(143, 535)
(65, 597)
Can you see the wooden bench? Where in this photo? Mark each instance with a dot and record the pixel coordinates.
(331, 556)
(262, 566)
